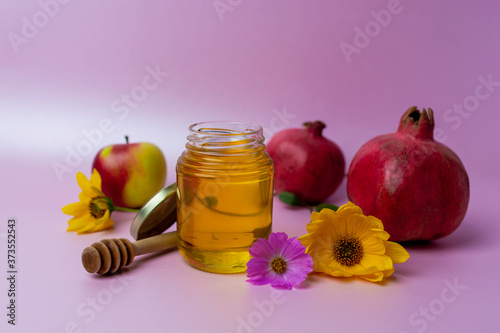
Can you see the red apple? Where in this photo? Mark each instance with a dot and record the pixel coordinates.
(131, 173)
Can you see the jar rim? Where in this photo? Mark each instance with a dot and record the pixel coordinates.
(225, 128)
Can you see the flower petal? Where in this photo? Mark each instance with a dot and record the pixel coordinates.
(263, 279)
(96, 225)
(257, 266)
(78, 222)
(84, 198)
(396, 252)
(367, 270)
(334, 270)
(314, 226)
(388, 272)
(374, 277)
(293, 249)
(277, 241)
(86, 228)
(262, 249)
(349, 209)
(298, 269)
(315, 216)
(375, 222)
(327, 214)
(281, 281)
(76, 209)
(84, 184)
(103, 226)
(357, 224)
(381, 262)
(304, 262)
(95, 179)
(306, 239)
(373, 245)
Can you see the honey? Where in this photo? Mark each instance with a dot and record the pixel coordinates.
(225, 193)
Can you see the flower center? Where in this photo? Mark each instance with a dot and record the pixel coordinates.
(278, 265)
(348, 251)
(98, 207)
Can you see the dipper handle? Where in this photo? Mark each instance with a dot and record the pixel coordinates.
(110, 255)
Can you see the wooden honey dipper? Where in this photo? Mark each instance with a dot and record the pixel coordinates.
(109, 255)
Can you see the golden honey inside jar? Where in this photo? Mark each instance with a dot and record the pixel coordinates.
(225, 195)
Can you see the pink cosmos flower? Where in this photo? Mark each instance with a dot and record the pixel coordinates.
(282, 262)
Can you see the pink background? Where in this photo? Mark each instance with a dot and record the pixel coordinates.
(256, 62)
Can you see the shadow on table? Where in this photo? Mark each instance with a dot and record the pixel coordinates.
(471, 234)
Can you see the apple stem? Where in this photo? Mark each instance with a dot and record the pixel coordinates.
(123, 209)
(126, 138)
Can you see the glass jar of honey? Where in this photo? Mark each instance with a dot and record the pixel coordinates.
(225, 195)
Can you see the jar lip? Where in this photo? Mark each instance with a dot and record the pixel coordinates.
(225, 128)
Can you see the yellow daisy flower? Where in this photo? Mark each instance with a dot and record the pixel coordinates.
(92, 212)
(347, 243)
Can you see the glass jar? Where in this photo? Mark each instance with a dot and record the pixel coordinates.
(225, 195)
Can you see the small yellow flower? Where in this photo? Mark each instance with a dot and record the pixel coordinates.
(347, 243)
(92, 212)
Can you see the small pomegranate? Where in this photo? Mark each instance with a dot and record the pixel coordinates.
(418, 187)
(305, 163)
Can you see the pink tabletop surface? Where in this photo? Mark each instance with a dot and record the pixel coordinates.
(67, 67)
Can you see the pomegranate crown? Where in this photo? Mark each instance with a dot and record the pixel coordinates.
(316, 128)
(418, 124)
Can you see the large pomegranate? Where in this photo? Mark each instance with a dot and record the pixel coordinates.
(306, 163)
(418, 187)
